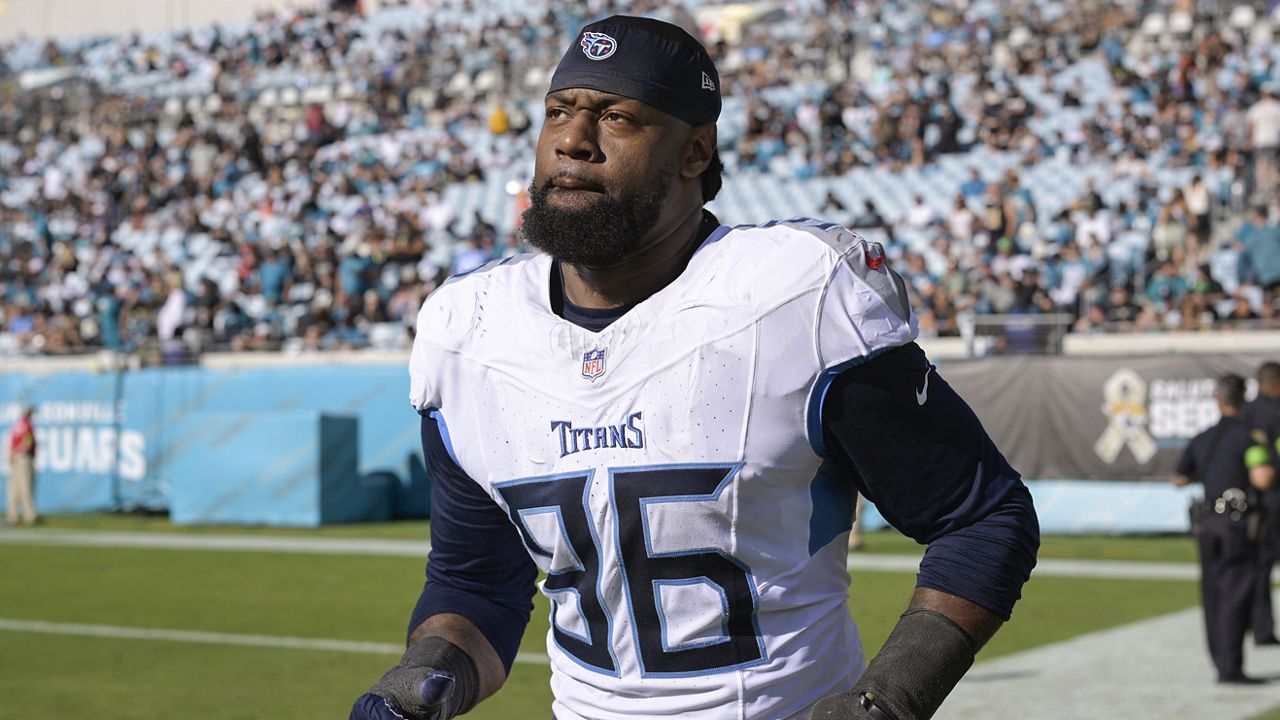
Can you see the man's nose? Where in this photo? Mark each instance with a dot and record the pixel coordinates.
(578, 139)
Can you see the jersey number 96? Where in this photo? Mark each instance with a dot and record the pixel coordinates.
(646, 572)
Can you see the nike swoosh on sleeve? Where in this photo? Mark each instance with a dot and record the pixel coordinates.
(922, 395)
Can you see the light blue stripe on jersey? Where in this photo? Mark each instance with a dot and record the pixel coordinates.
(436, 415)
(833, 502)
(817, 396)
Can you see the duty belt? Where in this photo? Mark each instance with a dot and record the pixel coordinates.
(1234, 502)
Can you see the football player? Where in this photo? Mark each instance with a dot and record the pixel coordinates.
(670, 417)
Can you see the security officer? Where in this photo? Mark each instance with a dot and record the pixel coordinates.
(1232, 466)
(1263, 416)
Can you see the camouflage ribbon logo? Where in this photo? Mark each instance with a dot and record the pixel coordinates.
(1125, 396)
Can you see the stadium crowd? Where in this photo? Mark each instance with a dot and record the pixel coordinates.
(275, 212)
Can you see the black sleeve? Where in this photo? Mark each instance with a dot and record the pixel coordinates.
(478, 567)
(1187, 463)
(915, 448)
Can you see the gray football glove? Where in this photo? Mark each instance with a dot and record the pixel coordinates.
(922, 660)
(434, 680)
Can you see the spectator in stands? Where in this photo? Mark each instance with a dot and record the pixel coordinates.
(1167, 286)
(1263, 127)
(949, 125)
(1173, 225)
(870, 218)
(1022, 203)
(974, 186)
(274, 275)
(1199, 203)
(1091, 200)
(1094, 320)
(1121, 309)
(962, 222)
(1259, 239)
(1132, 166)
(1031, 297)
(919, 215)
(1242, 310)
(1193, 313)
(831, 204)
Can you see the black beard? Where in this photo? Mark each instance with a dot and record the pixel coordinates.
(603, 234)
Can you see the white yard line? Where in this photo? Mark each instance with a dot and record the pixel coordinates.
(418, 548)
(242, 543)
(214, 638)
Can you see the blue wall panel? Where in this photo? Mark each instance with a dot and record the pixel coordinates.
(91, 458)
(273, 468)
(1077, 507)
(346, 495)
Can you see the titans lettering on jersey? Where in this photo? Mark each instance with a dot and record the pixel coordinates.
(627, 435)
(691, 531)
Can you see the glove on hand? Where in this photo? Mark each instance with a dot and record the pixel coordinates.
(436, 689)
(921, 661)
(435, 680)
(850, 706)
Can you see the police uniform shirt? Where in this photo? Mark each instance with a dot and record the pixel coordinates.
(1221, 457)
(1263, 413)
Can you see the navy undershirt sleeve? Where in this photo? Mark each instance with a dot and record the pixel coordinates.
(477, 568)
(934, 474)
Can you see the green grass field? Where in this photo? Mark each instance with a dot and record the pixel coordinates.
(1161, 548)
(363, 598)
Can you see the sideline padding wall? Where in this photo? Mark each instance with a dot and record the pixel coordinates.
(1098, 436)
(108, 441)
(278, 468)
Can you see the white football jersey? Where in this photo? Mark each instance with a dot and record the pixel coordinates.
(663, 471)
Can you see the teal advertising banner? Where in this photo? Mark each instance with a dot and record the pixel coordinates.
(119, 441)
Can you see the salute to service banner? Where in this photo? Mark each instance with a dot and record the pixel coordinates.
(1096, 418)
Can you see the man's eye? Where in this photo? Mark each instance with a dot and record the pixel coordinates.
(614, 117)
(553, 113)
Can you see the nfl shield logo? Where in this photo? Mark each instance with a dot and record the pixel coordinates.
(593, 364)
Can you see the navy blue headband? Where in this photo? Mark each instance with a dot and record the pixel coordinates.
(652, 61)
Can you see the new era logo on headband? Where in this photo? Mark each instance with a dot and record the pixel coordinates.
(598, 46)
(707, 83)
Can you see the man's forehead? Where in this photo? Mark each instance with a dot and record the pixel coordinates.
(591, 97)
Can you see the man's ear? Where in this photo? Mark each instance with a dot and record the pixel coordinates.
(700, 147)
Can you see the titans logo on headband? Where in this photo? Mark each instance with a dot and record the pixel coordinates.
(598, 46)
